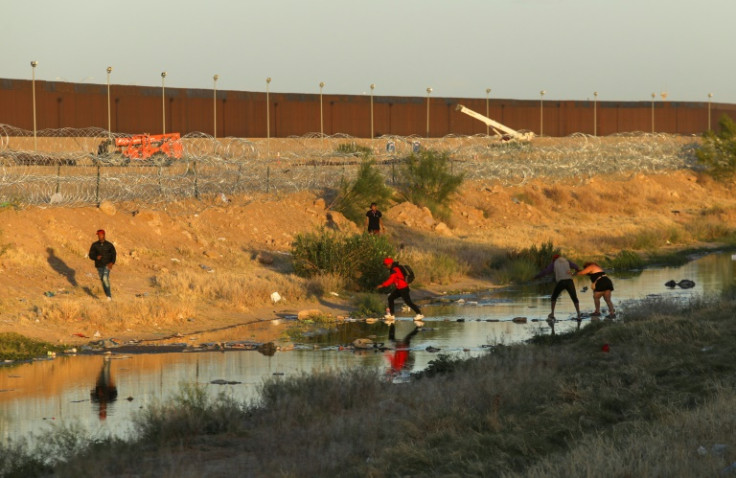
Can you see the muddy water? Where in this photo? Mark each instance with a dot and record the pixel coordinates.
(103, 393)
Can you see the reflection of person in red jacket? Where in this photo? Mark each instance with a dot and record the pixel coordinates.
(402, 289)
(400, 358)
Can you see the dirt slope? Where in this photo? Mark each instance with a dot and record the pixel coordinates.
(198, 265)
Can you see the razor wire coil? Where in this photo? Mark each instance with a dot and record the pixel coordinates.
(65, 166)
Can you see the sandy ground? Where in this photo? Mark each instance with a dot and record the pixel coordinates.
(52, 291)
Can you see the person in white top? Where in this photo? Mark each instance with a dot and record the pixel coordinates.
(564, 270)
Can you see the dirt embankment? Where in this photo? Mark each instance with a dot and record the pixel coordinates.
(193, 266)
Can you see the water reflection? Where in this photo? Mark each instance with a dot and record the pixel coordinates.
(400, 360)
(105, 391)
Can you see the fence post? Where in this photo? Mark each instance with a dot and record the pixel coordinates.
(160, 175)
(97, 189)
(196, 179)
(58, 175)
(237, 177)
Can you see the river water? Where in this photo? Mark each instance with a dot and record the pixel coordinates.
(103, 393)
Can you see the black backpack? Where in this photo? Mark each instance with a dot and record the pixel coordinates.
(407, 272)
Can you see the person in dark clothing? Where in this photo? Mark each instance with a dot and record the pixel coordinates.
(402, 289)
(602, 287)
(563, 270)
(373, 221)
(104, 255)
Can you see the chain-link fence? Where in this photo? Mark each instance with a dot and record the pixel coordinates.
(80, 167)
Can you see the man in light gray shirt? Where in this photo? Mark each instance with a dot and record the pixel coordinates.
(563, 270)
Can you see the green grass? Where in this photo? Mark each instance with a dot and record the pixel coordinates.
(368, 305)
(17, 347)
(553, 407)
(624, 260)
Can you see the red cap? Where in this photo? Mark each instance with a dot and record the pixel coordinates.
(555, 256)
(100, 231)
(388, 261)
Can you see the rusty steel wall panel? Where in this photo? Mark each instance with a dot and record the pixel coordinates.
(137, 109)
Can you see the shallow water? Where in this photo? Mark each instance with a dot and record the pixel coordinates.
(38, 396)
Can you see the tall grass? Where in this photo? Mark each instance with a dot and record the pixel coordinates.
(434, 267)
(18, 347)
(645, 406)
(521, 265)
(624, 260)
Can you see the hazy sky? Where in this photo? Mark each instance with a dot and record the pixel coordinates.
(624, 49)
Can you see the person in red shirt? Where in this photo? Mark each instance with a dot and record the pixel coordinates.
(402, 289)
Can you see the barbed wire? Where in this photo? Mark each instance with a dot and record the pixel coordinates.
(70, 167)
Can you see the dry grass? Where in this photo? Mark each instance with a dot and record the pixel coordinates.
(433, 267)
(239, 289)
(556, 407)
(323, 284)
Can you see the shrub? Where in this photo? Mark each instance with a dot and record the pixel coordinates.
(354, 197)
(521, 265)
(718, 151)
(353, 149)
(357, 258)
(538, 256)
(368, 305)
(14, 346)
(427, 181)
(624, 260)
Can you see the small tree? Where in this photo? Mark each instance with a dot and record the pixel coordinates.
(427, 181)
(718, 152)
(356, 196)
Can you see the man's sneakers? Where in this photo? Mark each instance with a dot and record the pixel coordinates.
(418, 317)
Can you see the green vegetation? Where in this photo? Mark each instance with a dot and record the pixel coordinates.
(718, 150)
(355, 258)
(355, 197)
(522, 265)
(353, 149)
(657, 401)
(624, 260)
(426, 180)
(17, 347)
(368, 305)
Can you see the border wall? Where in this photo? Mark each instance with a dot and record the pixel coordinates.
(243, 114)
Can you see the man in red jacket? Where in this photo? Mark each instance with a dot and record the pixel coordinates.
(402, 289)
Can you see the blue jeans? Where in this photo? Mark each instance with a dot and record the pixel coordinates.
(104, 273)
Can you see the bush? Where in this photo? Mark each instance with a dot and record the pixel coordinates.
(718, 151)
(355, 197)
(426, 180)
(521, 265)
(353, 149)
(357, 258)
(368, 305)
(624, 260)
